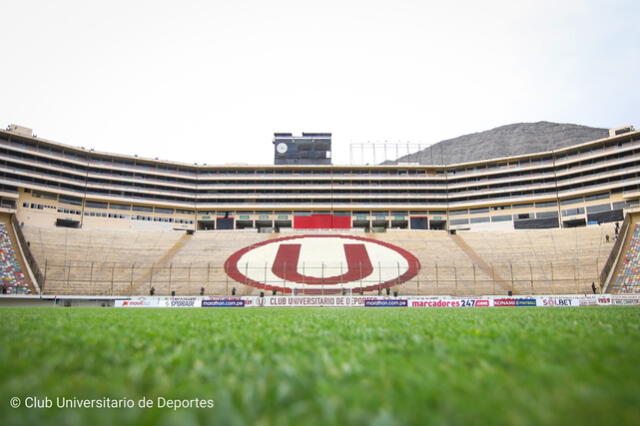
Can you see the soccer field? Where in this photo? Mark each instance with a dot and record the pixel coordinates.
(323, 366)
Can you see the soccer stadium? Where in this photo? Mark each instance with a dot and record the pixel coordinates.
(82, 223)
(554, 234)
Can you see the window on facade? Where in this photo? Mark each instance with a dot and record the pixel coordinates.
(65, 199)
(547, 204)
(480, 219)
(96, 205)
(546, 215)
(597, 197)
(598, 208)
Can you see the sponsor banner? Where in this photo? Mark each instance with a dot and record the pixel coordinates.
(318, 301)
(181, 302)
(223, 303)
(504, 302)
(588, 301)
(558, 301)
(629, 301)
(370, 301)
(440, 302)
(140, 302)
(385, 303)
(435, 303)
(159, 302)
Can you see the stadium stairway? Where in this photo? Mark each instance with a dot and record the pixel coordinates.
(480, 262)
(160, 266)
(14, 272)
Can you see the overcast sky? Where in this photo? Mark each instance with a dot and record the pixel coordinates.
(210, 81)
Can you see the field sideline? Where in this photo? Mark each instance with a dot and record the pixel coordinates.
(326, 366)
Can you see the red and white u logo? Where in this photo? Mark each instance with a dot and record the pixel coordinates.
(322, 263)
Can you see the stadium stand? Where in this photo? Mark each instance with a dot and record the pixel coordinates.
(12, 271)
(134, 262)
(628, 278)
(77, 261)
(534, 261)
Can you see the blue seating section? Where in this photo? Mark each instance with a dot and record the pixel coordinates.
(11, 275)
(628, 279)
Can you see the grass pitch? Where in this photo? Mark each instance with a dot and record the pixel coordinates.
(326, 366)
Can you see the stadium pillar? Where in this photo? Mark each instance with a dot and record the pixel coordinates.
(322, 278)
(436, 278)
(133, 265)
(91, 275)
(341, 272)
(209, 274)
(170, 274)
(189, 276)
(44, 280)
(246, 272)
(265, 273)
(284, 278)
(113, 272)
(455, 277)
(475, 283)
(151, 278)
(303, 272)
(493, 277)
(531, 276)
(511, 269)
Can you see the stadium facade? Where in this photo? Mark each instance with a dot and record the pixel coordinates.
(47, 182)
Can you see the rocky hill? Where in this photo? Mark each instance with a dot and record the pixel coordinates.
(504, 141)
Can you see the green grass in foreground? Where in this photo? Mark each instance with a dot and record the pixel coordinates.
(326, 366)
